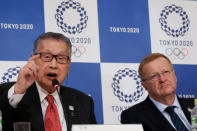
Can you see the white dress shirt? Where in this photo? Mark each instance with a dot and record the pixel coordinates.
(178, 110)
(14, 99)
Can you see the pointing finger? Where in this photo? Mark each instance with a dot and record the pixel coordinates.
(34, 57)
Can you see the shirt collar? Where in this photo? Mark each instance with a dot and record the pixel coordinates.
(162, 107)
(43, 93)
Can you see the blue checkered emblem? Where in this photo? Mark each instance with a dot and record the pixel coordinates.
(165, 26)
(76, 8)
(125, 97)
(10, 74)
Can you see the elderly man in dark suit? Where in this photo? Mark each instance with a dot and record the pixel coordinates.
(162, 110)
(33, 98)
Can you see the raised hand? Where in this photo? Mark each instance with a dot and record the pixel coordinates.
(27, 75)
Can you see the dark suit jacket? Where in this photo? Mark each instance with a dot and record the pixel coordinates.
(147, 114)
(29, 108)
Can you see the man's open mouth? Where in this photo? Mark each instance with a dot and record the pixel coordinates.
(51, 74)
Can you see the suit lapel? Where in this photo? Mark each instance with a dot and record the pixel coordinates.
(155, 116)
(185, 105)
(71, 111)
(32, 106)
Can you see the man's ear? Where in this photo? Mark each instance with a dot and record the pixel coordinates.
(31, 55)
(143, 84)
(69, 62)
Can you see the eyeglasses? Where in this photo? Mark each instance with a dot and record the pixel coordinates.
(47, 57)
(156, 76)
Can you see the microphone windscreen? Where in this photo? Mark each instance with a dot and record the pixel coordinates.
(55, 83)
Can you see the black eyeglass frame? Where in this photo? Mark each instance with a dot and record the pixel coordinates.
(53, 56)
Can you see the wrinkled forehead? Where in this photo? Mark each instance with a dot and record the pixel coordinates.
(53, 45)
(157, 64)
(50, 40)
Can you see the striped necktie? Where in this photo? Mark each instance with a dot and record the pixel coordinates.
(177, 122)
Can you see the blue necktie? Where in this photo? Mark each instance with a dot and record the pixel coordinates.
(175, 119)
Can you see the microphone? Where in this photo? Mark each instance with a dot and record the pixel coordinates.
(55, 83)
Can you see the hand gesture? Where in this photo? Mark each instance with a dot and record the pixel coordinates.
(27, 75)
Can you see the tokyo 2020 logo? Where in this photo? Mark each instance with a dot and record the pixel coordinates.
(10, 74)
(166, 26)
(118, 90)
(77, 11)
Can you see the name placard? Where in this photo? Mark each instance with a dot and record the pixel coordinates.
(123, 127)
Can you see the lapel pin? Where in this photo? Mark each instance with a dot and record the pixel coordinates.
(189, 109)
(71, 108)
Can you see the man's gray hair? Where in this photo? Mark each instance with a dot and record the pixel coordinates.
(52, 35)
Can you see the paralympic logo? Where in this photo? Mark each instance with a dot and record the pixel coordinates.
(10, 74)
(125, 97)
(163, 20)
(71, 5)
(179, 53)
(78, 50)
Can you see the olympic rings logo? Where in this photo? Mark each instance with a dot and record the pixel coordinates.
(78, 51)
(179, 53)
